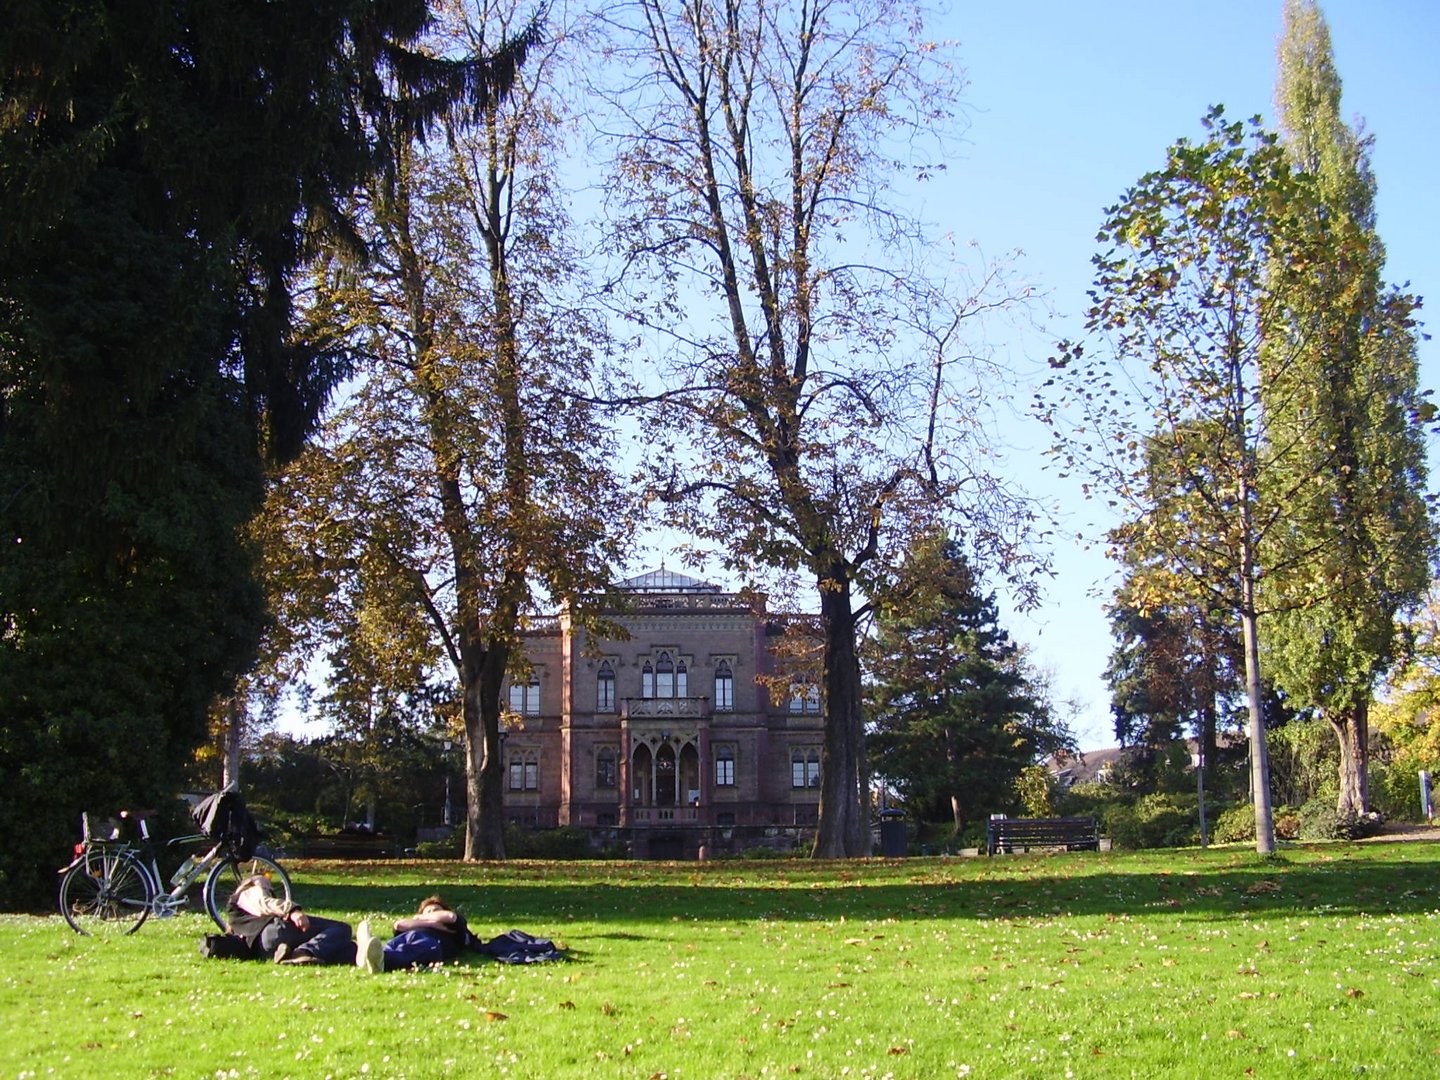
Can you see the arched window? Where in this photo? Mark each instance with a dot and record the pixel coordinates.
(724, 687)
(647, 680)
(805, 767)
(664, 676)
(725, 766)
(682, 680)
(605, 688)
(606, 775)
(804, 698)
(525, 697)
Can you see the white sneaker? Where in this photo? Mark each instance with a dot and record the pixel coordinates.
(375, 956)
(363, 937)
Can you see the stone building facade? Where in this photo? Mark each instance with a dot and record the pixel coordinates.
(684, 739)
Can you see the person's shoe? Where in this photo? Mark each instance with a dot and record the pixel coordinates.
(373, 958)
(301, 958)
(363, 937)
(281, 953)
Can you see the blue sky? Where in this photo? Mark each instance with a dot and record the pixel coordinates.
(1073, 102)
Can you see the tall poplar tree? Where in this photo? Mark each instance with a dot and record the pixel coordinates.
(1348, 406)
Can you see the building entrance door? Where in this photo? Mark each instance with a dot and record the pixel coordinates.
(665, 776)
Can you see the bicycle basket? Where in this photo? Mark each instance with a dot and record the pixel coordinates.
(100, 831)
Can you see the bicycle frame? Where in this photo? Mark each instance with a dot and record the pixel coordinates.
(113, 885)
(163, 903)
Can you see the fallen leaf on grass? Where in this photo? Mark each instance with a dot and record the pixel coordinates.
(1263, 887)
(492, 1015)
(567, 1004)
(1234, 1034)
(898, 1050)
(1354, 993)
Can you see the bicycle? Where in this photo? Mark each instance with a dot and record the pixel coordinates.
(113, 885)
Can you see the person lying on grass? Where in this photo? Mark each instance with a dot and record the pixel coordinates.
(434, 935)
(278, 928)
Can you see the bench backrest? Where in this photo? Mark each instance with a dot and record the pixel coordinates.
(1044, 832)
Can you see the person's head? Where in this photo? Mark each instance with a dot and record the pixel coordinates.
(432, 904)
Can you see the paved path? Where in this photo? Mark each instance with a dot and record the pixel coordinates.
(1394, 831)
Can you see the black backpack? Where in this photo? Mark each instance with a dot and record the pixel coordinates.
(224, 818)
(227, 947)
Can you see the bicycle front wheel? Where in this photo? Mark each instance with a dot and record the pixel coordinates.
(106, 894)
(225, 877)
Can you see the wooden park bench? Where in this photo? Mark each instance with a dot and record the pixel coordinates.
(1069, 834)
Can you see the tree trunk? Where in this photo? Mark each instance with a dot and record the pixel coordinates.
(1352, 729)
(844, 829)
(235, 716)
(483, 673)
(952, 759)
(1259, 756)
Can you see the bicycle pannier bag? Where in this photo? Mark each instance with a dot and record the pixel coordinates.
(224, 818)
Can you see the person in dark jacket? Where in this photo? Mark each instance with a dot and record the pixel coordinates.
(279, 929)
(435, 934)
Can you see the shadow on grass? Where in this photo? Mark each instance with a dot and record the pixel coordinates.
(1343, 880)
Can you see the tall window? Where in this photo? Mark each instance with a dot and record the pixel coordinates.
(525, 697)
(524, 772)
(665, 678)
(605, 688)
(606, 775)
(805, 767)
(724, 766)
(724, 687)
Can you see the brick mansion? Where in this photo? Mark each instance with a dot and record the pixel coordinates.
(686, 737)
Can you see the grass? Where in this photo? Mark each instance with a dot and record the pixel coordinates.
(1319, 963)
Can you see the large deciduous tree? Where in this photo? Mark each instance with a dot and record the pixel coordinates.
(955, 718)
(161, 170)
(1350, 408)
(464, 483)
(811, 403)
(1191, 303)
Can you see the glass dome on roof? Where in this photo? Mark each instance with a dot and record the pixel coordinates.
(667, 581)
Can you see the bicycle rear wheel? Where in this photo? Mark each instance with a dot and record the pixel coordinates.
(225, 877)
(106, 894)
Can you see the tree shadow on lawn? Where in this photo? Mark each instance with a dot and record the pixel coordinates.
(1337, 881)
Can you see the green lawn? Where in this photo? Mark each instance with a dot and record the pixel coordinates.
(1321, 963)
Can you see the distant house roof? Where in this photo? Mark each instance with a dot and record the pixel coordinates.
(1085, 766)
(667, 581)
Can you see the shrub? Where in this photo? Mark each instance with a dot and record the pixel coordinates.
(1154, 821)
(450, 847)
(1234, 824)
(566, 842)
(1287, 823)
(1319, 820)
(1395, 792)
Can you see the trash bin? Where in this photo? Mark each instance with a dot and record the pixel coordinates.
(892, 833)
